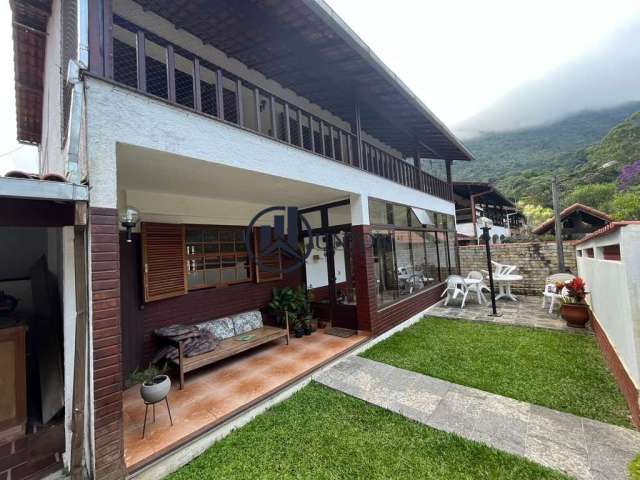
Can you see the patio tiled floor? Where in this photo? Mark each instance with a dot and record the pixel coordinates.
(527, 311)
(214, 393)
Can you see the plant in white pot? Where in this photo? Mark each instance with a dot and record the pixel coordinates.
(154, 384)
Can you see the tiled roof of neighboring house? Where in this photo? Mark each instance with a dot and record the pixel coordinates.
(29, 39)
(548, 224)
(606, 230)
(50, 186)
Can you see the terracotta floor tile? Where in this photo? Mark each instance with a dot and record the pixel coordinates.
(218, 390)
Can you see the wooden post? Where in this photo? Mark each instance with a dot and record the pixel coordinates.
(287, 125)
(322, 143)
(358, 129)
(79, 367)
(449, 179)
(171, 73)
(332, 145)
(300, 137)
(313, 133)
(274, 125)
(220, 94)
(258, 117)
(239, 108)
(197, 92)
(141, 61)
(418, 169)
(107, 33)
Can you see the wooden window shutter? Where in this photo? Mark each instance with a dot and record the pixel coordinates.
(163, 261)
(272, 261)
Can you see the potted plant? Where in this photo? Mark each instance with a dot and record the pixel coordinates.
(154, 384)
(574, 309)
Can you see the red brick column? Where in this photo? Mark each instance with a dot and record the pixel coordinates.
(107, 353)
(365, 278)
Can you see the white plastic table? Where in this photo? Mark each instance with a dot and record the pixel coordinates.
(476, 281)
(504, 285)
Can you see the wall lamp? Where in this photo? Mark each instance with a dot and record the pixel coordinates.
(129, 219)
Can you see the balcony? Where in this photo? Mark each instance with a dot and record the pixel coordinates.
(163, 67)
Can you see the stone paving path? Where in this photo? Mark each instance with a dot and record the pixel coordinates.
(527, 312)
(580, 447)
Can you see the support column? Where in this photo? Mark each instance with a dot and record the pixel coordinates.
(418, 169)
(106, 344)
(449, 178)
(358, 131)
(363, 264)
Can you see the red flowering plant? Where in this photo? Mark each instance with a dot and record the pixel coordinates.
(576, 291)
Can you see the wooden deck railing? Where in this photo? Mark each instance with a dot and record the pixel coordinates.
(157, 67)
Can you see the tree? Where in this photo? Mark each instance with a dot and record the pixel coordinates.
(535, 214)
(597, 195)
(626, 205)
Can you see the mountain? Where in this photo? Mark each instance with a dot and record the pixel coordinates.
(588, 175)
(500, 156)
(608, 75)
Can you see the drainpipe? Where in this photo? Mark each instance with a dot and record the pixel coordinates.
(76, 113)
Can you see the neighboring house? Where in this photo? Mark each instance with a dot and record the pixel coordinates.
(478, 199)
(577, 221)
(201, 115)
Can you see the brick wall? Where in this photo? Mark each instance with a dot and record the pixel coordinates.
(107, 357)
(364, 276)
(32, 456)
(397, 313)
(535, 261)
(625, 384)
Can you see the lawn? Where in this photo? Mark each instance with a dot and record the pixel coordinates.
(560, 370)
(322, 434)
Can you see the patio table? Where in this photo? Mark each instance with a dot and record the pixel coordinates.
(504, 285)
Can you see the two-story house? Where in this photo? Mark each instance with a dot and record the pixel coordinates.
(198, 116)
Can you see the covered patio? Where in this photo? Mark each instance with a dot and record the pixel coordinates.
(215, 394)
(200, 214)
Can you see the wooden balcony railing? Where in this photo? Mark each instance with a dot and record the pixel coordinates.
(151, 64)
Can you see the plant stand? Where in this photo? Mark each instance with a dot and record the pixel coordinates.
(153, 408)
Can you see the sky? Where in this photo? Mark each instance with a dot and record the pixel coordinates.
(458, 56)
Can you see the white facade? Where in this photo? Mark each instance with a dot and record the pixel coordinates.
(615, 291)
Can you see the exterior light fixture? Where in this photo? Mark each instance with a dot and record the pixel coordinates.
(129, 219)
(486, 224)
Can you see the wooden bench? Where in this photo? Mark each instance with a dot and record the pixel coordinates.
(227, 348)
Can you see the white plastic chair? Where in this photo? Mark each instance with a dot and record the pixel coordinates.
(550, 289)
(455, 287)
(477, 287)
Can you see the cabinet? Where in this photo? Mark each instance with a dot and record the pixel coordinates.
(13, 383)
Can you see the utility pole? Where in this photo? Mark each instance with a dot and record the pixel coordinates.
(555, 193)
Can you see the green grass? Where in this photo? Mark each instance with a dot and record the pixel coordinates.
(559, 370)
(323, 434)
(634, 468)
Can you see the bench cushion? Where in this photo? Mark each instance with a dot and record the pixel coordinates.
(221, 328)
(247, 321)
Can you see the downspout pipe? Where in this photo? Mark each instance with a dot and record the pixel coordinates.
(76, 114)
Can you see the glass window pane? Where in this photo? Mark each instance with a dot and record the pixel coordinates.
(194, 234)
(432, 271)
(265, 116)
(249, 108)
(443, 256)
(400, 215)
(385, 267)
(195, 273)
(404, 261)
(210, 235)
(377, 212)
(228, 275)
(212, 272)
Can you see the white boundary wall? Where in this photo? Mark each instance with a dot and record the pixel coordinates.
(615, 291)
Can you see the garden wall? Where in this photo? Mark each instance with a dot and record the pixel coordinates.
(535, 261)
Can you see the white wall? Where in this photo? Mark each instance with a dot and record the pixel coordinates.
(615, 292)
(51, 154)
(116, 115)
